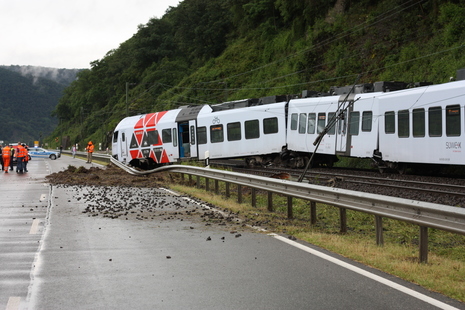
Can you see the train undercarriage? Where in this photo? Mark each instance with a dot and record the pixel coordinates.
(291, 159)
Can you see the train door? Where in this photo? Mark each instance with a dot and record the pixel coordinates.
(123, 146)
(344, 125)
(341, 133)
(193, 138)
(183, 140)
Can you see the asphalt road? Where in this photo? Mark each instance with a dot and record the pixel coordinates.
(61, 249)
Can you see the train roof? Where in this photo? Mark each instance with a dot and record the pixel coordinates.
(244, 103)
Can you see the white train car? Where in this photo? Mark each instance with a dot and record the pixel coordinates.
(256, 133)
(353, 135)
(423, 125)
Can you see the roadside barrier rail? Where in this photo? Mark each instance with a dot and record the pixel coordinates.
(99, 156)
(426, 215)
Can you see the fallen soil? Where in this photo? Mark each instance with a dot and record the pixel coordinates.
(115, 194)
(109, 176)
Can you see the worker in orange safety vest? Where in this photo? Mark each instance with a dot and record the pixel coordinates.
(90, 150)
(26, 157)
(20, 154)
(6, 153)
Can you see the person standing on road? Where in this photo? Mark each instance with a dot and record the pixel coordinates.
(6, 153)
(73, 150)
(26, 157)
(20, 153)
(12, 155)
(1, 156)
(90, 150)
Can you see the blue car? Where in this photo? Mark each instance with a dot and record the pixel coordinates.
(40, 152)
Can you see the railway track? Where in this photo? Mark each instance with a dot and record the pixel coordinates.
(447, 191)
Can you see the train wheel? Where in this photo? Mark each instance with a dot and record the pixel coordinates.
(250, 162)
(402, 169)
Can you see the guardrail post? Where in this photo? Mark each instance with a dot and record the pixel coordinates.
(423, 244)
(227, 189)
(290, 215)
(379, 230)
(190, 179)
(207, 184)
(312, 212)
(270, 201)
(254, 197)
(198, 181)
(239, 193)
(217, 187)
(343, 219)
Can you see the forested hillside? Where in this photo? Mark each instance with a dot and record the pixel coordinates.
(28, 95)
(205, 52)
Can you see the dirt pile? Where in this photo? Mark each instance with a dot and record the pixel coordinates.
(108, 176)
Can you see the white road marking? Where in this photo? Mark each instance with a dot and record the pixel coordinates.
(367, 274)
(170, 191)
(34, 227)
(43, 197)
(13, 303)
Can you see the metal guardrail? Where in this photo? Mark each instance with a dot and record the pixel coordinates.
(424, 214)
(99, 156)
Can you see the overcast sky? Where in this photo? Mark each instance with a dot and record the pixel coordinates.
(70, 34)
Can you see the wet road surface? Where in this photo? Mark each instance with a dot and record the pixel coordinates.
(73, 247)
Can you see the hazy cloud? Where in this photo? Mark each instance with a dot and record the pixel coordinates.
(70, 34)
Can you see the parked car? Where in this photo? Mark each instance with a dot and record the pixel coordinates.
(40, 152)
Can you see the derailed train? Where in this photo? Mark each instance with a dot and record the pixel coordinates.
(394, 125)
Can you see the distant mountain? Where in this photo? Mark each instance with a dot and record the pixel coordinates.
(60, 76)
(28, 95)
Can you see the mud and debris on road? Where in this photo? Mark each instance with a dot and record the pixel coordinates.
(112, 193)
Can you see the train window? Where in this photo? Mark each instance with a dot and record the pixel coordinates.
(418, 118)
(216, 133)
(123, 137)
(133, 143)
(252, 130)
(311, 123)
(294, 118)
(151, 138)
(270, 125)
(321, 122)
(302, 122)
(403, 124)
(175, 136)
(202, 135)
(389, 122)
(166, 136)
(115, 137)
(453, 120)
(354, 123)
(435, 122)
(367, 120)
(332, 130)
(234, 131)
